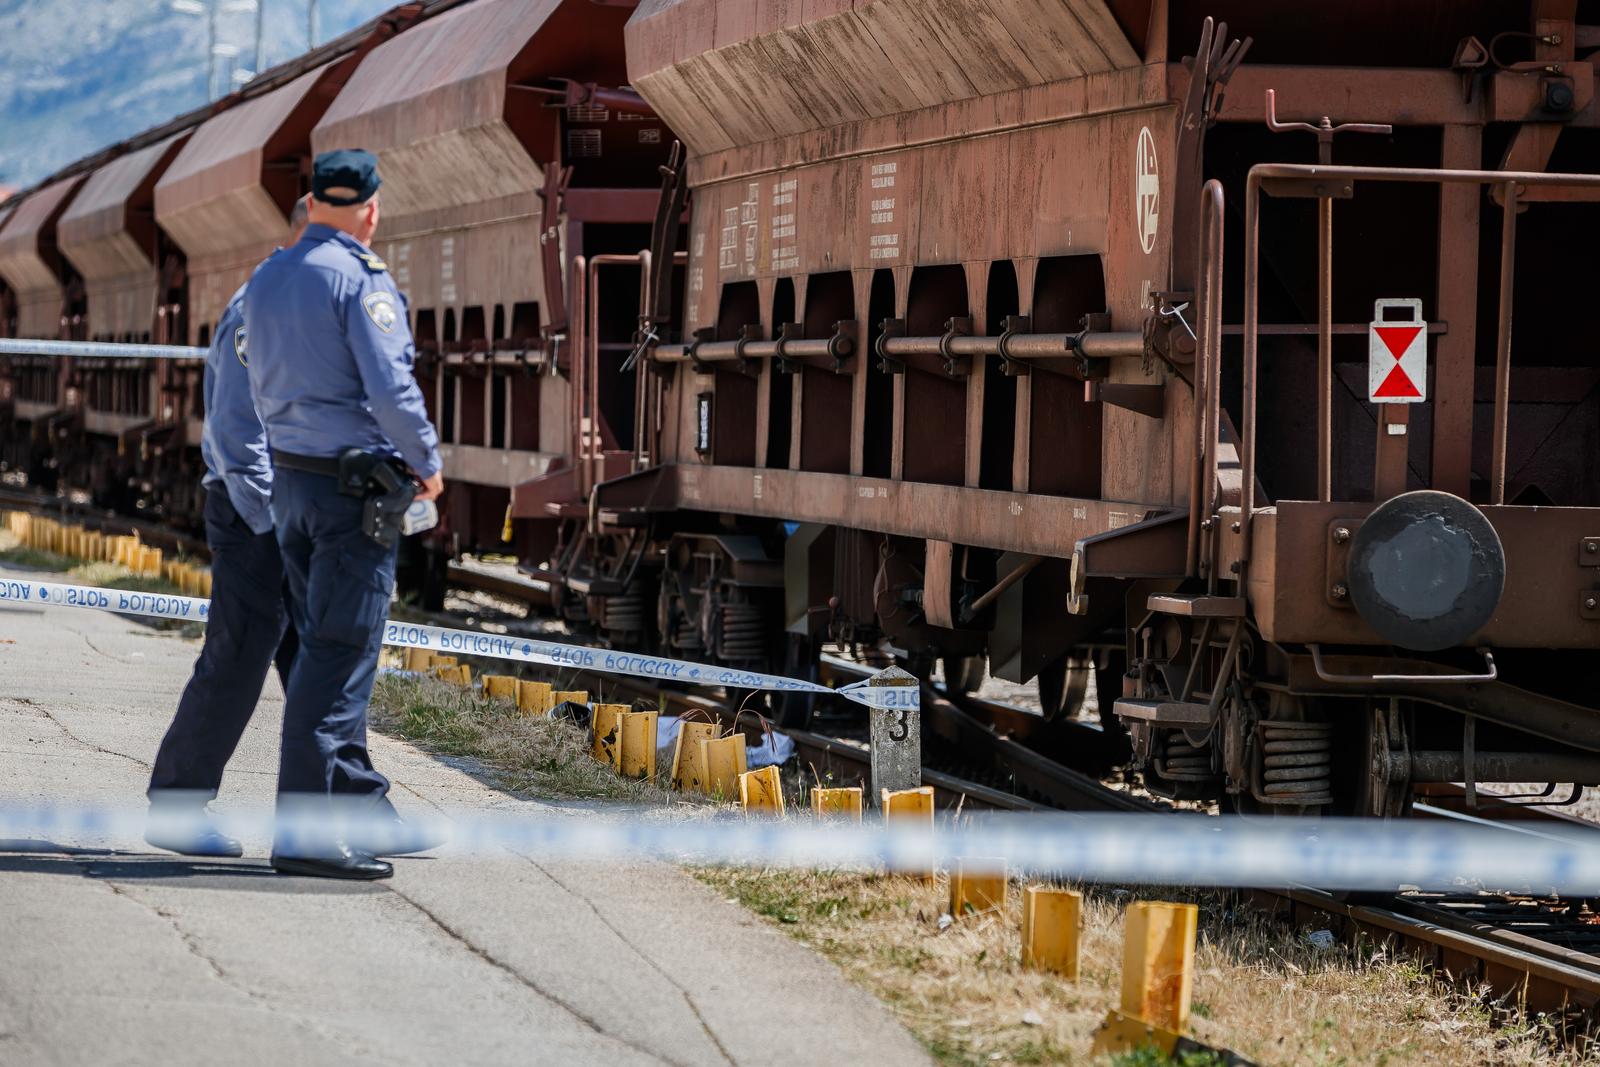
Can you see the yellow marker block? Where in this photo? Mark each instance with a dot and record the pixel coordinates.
(533, 697)
(637, 752)
(845, 802)
(909, 804)
(977, 885)
(458, 676)
(761, 791)
(724, 760)
(688, 758)
(443, 661)
(416, 659)
(1052, 920)
(569, 696)
(1158, 963)
(150, 562)
(500, 687)
(910, 807)
(205, 584)
(606, 745)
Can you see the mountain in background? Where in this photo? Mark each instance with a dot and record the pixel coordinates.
(77, 75)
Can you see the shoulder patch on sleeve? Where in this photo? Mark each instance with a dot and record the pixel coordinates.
(372, 262)
(381, 309)
(239, 346)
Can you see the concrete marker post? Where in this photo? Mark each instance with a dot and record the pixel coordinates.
(896, 734)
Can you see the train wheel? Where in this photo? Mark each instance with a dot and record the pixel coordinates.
(794, 710)
(964, 674)
(1372, 755)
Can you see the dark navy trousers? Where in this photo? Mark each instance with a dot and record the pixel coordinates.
(246, 629)
(339, 582)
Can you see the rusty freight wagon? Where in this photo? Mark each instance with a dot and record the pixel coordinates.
(1041, 333)
(520, 187)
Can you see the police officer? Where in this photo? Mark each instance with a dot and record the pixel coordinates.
(330, 371)
(247, 627)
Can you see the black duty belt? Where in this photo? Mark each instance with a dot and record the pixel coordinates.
(325, 465)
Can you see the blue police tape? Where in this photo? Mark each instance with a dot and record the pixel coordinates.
(441, 639)
(97, 349)
(1171, 849)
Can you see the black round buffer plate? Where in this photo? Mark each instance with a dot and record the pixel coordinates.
(1426, 570)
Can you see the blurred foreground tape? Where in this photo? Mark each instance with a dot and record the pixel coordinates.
(1051, 922)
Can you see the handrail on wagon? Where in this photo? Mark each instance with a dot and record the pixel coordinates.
(1511, 184)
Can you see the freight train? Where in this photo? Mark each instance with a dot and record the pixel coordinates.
(1070, 340)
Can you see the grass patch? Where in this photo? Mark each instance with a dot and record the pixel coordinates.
(1259, 990)
(525, 753)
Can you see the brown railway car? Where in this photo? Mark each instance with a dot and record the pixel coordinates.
(511, 160)
(1039, 333)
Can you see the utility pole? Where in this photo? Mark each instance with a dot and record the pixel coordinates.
(211, 50)
(261, 56)
(311, 24)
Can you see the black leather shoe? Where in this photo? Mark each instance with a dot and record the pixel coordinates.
(189, 832)
(338, 861)
(396, 837)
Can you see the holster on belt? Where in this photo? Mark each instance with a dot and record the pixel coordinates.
(386, 486)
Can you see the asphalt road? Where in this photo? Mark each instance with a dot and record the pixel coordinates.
(112, 953)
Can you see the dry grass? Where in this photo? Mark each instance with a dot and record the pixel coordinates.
(525, 753)
(1260, 990)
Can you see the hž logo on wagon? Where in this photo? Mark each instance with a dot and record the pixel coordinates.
(1147, 191)
(1397, 353)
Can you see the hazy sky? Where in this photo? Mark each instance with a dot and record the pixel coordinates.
(76, 75)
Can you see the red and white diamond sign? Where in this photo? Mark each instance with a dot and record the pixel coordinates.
(1397, 353)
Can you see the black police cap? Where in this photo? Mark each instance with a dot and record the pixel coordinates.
(345, 168)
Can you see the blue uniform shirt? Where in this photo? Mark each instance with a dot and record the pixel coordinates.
(330, 354)
(233, 443)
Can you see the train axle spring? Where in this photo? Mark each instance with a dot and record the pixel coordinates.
(1297, 763)
(1183, 762)
(743, 636)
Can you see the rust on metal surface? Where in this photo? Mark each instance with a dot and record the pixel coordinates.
(30, 259)
(225, 198)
